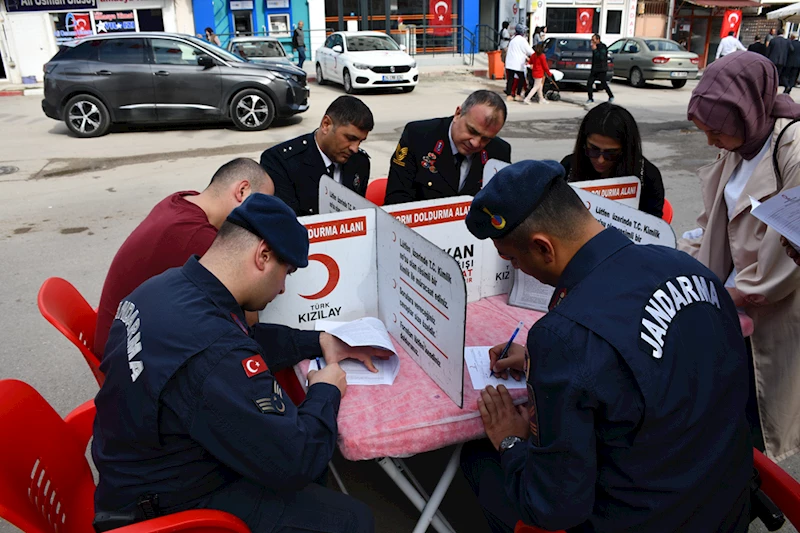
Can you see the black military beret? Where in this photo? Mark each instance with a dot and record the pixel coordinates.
(511, 195)
(275, 222)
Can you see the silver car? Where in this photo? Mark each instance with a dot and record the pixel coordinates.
(267, 50)
(639, 59)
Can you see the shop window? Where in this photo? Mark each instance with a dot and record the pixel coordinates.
(613, 22)
(150, 20)
(243, 22)
(122, 51)
(564, 20)
(279, 25)
(169, 52)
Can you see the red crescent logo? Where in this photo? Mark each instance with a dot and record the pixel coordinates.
(333, 276)
(394, 237)
(394, 284)
(588, 205)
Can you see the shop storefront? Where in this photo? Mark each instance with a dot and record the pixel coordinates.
(35, 28)
(612, 19)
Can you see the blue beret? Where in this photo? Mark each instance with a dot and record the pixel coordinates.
(271, 219)
(511, 195)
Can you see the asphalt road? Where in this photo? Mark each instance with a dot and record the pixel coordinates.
(67, 205)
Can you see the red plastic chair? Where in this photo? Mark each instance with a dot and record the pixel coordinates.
(376, 190)
(63, 306)
(522, 527)
(46, 485)
(667, 212)
(780, 487)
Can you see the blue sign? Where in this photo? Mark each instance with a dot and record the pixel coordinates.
(13, 6)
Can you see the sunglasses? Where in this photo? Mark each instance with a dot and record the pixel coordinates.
(609, 155)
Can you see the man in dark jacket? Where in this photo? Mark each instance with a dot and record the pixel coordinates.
(299, 44)
(296, 166)
(792, 64)
(599, 69)
(758, 47)
(778, 52)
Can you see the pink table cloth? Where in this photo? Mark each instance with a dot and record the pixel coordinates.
(413, 415)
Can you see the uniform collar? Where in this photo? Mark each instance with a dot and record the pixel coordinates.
(453, 147)
(213, 287)
(325, 159)
(591, 255)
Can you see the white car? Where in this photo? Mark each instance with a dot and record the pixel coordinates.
(364, 60)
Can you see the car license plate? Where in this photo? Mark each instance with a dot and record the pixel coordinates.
(583, 65)
(392, 77)
(679, 74)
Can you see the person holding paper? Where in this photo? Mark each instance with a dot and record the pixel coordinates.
(791, 251)
(333, 149)
(444, 157)
(637, 378)
(191, 416)
(609, 145)
(736, 106)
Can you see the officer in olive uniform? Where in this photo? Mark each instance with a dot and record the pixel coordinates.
(444, 157)
(637, 378)
(295, 166)
(190, 415)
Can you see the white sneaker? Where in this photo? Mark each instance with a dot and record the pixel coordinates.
(526, 102)
(543, 101)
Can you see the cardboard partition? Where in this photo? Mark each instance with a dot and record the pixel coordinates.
(625, 190)
(366, 263)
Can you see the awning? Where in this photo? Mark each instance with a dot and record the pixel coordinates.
(785, 12)
(725, 3)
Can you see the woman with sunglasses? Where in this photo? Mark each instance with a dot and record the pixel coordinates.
(737, 107)
(609, 146)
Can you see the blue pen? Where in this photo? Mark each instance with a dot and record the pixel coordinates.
(504, 353)
(319, 363)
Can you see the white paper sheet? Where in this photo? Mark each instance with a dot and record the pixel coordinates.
(366, 331)
(477, 360)
(782, 213)
(529, 293)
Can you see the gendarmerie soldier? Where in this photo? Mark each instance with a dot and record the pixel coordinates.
(295, 166)
(637, 378)
(444, 157)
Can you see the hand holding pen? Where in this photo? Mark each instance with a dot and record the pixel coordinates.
(507, 356)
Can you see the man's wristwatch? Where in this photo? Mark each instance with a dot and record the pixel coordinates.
(508, 443)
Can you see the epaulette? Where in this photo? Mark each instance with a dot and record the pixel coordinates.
(364, 152)
(294, 147)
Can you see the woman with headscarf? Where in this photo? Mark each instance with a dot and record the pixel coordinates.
(737, 106)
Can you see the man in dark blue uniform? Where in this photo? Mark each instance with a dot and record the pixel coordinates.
(444, 157)
(295, 166)
(190, 415)
(637, 378)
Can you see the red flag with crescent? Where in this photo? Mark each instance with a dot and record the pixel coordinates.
(441, 16)
(731, 22)
(585, 20)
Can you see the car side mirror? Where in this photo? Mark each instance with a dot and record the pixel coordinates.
(403, 47)
(338, 49)
(206, 61)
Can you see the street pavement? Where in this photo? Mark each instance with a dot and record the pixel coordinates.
(68, 203)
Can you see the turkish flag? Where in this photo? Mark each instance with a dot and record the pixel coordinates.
(441, 17)
(731, 22)
(584, 20)
(254, 366)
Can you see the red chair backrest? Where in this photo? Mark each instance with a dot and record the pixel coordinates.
(522, 527)
(666, 214)
(46, 485)
(288, 381)
(376, 190)
(781, 488)
(63, 306)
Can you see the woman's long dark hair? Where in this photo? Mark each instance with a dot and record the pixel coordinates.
(616, 123)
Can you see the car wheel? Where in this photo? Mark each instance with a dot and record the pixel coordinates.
(252, 110)
(636, 79)
(408, 89)
(348, 83)
(677, 84)
(320, 79)
(86, 116)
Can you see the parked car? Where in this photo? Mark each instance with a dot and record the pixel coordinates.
(641, 58)
(267, 50)
(163, 77)
(364, 60)
(573, 57)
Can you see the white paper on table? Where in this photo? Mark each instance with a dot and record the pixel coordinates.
(363, 332)
(529, 293)
(477, 361)
(781, 212)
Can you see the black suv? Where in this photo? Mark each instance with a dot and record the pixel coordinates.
(163, 77)
(573, 57)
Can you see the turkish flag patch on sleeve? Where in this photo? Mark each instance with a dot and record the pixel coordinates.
(254, 366)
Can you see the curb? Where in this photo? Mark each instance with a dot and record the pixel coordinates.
(12, 93)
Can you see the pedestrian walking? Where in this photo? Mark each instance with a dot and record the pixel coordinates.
(539, 34)
(299, 44)
(728, 45)
(505, 38)
(538, 64)
(599, 69)
(792, 64)
(210, 36)
(778, 53)
(758, 47)
(769, 37)
(518, 53)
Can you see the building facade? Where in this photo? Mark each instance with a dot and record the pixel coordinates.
(32, 30)
(612, 19)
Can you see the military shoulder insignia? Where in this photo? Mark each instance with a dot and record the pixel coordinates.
(429, 162)
(294, 147)
(439, 147)
(556, 299)
(272, 404)
(400, 154)
(364, 153)
(356, 181)
(484, 156)
(533, 416)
